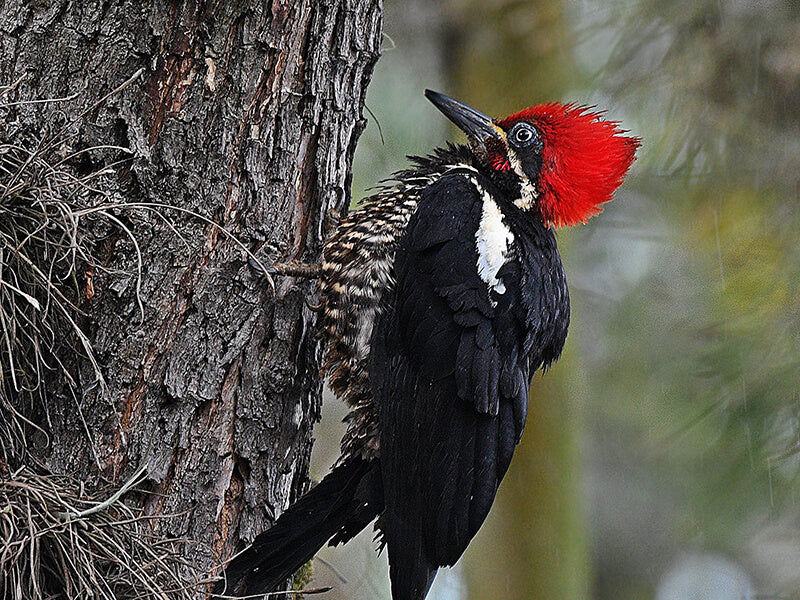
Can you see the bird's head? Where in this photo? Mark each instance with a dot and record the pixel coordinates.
(567, 159)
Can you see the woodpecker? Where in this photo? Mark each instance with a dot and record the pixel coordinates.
(441, 297)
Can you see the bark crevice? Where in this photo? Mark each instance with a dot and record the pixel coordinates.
(247, 115)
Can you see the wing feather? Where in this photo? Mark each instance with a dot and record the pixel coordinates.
(448, 379)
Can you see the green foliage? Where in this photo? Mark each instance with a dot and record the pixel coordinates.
(702, 356)
(302, 578)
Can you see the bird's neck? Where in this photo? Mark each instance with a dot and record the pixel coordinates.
(508, 185)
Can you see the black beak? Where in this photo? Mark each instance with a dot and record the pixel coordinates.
(476, 125)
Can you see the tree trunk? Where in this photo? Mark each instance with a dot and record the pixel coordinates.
(246, 114)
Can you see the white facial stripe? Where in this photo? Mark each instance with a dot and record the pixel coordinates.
(528, 193)
(493, 240)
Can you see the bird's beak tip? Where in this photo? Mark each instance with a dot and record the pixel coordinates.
(475, 124)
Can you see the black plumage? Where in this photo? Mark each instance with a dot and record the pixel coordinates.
(450, 365)
(441, 297)
(341, 505)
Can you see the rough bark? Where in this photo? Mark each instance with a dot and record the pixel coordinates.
(246, 113)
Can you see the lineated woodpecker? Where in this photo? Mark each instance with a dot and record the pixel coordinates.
(441, 296)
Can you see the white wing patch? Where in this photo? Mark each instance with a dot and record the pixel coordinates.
(493, 240)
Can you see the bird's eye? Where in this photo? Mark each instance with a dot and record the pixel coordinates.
(523, 134)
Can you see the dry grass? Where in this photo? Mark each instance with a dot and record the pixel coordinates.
(41, 248)
(58, 541)
(49, 223)
(57, 209)
(46, 268)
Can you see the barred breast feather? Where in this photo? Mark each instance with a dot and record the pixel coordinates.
(356, 274)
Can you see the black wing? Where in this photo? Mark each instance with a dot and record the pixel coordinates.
(449, 379)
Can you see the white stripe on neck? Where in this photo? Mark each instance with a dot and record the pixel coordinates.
(527, 189)
(492, 240)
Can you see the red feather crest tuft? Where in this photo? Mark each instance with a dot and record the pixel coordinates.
(584, 160)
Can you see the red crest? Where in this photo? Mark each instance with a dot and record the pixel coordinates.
(584, 160)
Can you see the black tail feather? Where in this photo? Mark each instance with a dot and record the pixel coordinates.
(410, 570)
(339, 507)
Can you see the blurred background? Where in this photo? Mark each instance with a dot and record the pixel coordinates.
(662, 452)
